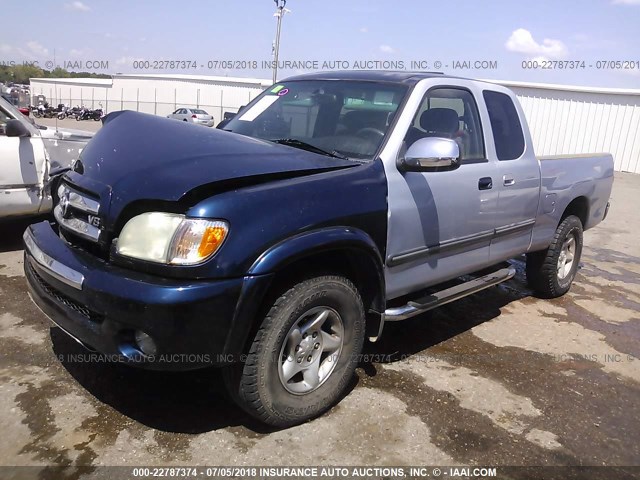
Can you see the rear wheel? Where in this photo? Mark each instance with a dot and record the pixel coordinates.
(304, 353)
(551, 272)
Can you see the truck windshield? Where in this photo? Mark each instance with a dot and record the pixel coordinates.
(339, 118)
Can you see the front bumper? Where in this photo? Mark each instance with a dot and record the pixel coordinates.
(102, 306)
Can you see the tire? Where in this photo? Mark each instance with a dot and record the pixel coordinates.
(264, 385)
(551, 272)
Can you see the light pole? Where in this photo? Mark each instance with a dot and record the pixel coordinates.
(280, 12)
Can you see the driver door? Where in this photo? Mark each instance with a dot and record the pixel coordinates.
(441, 222)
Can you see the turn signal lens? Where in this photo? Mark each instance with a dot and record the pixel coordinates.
(196, 240)
(211, 240)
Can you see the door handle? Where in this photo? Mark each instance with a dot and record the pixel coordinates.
(485, 183)
(508, 181)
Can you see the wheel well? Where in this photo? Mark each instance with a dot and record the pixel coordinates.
(354, 264)
(578, 207)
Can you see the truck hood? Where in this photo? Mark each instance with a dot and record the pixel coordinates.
(136, 156)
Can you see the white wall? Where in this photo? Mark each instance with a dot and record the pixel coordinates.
(155, 94)
(562, 119)
(569, 121)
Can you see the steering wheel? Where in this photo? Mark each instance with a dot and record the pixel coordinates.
(369, 132)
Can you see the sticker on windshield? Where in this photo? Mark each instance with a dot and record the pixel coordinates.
(255, 111)
(277, 88)
(282, 93)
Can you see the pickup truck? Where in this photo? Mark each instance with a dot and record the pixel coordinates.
(32, 158)
(331, 204)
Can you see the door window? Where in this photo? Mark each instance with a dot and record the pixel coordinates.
(506, 126)
(449, 113)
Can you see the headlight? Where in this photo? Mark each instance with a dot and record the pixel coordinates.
(171, 238)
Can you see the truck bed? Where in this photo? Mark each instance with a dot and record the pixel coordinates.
(566, 178)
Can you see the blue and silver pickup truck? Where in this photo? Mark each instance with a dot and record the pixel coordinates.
(331, 204)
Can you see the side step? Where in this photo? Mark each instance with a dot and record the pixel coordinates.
(448, 295)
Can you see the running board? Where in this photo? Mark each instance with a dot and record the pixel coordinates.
(448, 295)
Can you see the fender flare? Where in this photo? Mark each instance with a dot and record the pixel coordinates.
(258, 279)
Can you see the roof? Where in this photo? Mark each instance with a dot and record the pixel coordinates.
(97, 82)
(196, 78)
(370, 76)
(566, 88)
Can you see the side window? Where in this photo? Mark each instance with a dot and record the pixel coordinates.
(449, 113)
(506, 126)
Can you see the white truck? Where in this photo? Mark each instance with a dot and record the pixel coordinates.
(31, 155)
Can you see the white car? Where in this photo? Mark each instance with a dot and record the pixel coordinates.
(30, 156)
(193, 115)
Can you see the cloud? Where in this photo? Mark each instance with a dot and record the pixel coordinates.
(387, 49)
(521, 41)
(29, 52)
(78, 52)
(37, 49)
(127, 60)
(626, 2)
(77, 6)
(364, 29)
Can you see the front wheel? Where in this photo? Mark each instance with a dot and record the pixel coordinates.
(304, 353)
(551, 272)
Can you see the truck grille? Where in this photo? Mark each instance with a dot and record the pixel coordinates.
(63, 299)
(77, 213)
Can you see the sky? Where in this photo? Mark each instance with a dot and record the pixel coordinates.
(490, 39)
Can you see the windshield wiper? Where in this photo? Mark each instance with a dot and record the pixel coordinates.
(292, 142)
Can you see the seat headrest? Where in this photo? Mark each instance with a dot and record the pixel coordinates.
(440, 120)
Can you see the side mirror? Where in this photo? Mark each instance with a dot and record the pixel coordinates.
(15, 128)
(431, 154)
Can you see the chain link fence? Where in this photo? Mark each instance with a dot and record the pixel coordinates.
(139, 99)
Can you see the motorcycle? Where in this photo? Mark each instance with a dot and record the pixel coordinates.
(44, 111)
(88, 114)
(67, 112)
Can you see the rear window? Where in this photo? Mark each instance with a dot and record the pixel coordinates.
(199, 112)
(506, 126)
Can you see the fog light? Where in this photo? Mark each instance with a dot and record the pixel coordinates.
(145, 343)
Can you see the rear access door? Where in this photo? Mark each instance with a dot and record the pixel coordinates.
(518, 176)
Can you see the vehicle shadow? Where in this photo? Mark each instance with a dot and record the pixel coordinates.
(196, 401)
(416, 335)
(11, 232)
(179, 402)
